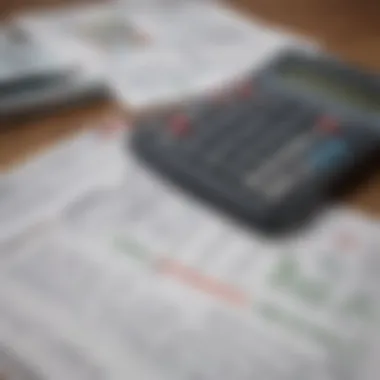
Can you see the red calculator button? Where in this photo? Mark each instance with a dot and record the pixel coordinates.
(246, 91)
(180, 125)
(328, 125)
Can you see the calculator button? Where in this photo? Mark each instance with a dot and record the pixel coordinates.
(219, 131)
(328, 125)
(246, 91)
(179, 125)
(280, 187)
(276, 136)
(212, 131)
(284, 170)
(329, 154)
(285, 183)
(273, 168)
(230, 142)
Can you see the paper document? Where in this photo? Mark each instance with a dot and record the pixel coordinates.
(141, 281)
(46, 184)
(164, 52)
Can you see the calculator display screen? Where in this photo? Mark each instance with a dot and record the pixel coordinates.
(332, 86)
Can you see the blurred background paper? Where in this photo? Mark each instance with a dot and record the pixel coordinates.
(104, 28)
(162, 52)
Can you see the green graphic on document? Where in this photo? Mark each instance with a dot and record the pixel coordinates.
(131, 248)
(288, 277)
(321, 292)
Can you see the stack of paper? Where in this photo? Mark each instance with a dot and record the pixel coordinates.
(140, 281)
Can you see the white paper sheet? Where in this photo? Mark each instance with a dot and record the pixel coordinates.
(196, 48)
(141, 281)
(46, 184)
(159, 54)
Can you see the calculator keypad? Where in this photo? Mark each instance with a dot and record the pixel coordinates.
(259, 144)
(256, 151)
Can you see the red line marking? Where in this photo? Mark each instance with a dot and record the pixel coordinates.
(203, 283)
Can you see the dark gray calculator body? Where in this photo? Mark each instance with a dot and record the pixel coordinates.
(272, 149)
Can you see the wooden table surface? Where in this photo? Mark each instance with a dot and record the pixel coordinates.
(346, 27)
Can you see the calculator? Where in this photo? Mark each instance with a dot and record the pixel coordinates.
(272, 148)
